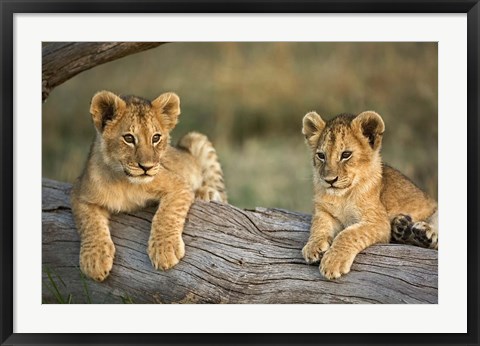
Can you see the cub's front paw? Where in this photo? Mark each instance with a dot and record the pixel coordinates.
(335, 263)
(96, 258)
(165, 252)
(313, 249)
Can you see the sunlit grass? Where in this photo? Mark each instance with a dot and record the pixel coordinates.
(56, 286)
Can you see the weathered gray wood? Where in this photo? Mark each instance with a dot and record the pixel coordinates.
(63, 60)
(232, 256)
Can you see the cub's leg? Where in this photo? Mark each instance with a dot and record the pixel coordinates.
(165, 246)
(96, 250)
(339, 257)
(420, 233)
(323, 230)
(213, 185)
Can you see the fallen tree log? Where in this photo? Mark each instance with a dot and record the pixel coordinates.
(232, 256)
(63, 60)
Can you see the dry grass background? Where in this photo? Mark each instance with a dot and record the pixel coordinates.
(249, 98)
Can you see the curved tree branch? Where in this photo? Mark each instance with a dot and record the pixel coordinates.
(63, 60)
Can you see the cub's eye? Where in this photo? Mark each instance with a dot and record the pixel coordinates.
(129, 139)
(156, 138)
(321, 156)
(346, 155)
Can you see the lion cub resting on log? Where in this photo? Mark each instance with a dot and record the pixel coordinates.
(358, 200)
(131, 164)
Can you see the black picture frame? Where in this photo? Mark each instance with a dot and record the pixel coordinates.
(9, 8)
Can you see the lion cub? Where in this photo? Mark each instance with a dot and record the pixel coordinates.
(131, 164)
(358, 200)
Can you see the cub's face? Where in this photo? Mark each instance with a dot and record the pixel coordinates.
(134, 133)
(345, 149)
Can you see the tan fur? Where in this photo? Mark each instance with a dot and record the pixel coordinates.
(357, 199)
(120, 176)
(213, 187)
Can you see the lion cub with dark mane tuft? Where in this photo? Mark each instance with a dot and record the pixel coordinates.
(358, 200)
(131, 164)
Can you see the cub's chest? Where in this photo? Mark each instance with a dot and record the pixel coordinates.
(118, 197)
(345, 211)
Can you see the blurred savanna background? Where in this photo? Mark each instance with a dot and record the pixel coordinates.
(250, 98)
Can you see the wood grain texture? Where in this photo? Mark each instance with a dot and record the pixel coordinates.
(232, 256)
(63, 60)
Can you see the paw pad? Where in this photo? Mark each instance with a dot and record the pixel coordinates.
(401, 228)
(424, 235)
(405, 231)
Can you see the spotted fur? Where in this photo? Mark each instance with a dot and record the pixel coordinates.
(131, 165)
(358, 200)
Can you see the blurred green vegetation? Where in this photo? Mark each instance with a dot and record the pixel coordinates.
(249, 98)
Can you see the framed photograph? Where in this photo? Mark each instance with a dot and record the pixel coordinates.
(248, 173)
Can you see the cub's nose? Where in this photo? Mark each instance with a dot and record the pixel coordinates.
(145, 166)
(330, 180)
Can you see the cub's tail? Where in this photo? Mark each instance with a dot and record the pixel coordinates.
(213, 185)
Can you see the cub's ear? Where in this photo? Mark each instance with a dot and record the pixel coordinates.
(104, 107)
(168, 104)
(370, 124)
(313, 126)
